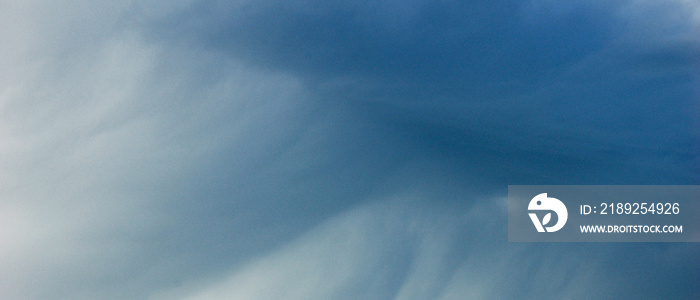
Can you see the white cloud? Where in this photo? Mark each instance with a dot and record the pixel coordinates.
(405, 248)
(361, 253)
(93, 136)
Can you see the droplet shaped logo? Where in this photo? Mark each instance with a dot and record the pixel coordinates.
(543, 203)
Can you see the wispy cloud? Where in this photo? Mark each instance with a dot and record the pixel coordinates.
(318, 149)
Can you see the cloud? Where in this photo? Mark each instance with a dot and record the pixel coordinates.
(407, 248)
(360, 250)
(367, 252)
(96, 148)
(554, 73)
(332, 150)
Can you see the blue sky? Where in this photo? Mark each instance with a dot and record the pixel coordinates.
(334, 150)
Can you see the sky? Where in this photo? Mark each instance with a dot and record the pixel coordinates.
(335, 150)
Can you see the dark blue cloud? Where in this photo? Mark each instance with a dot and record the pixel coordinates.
(491, 94)
(562, 80)
(440, 42)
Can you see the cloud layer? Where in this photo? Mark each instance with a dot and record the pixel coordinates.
(330, 150)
